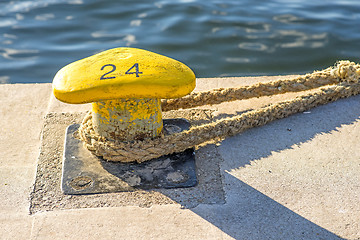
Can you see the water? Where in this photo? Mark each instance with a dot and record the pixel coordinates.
(214, 38)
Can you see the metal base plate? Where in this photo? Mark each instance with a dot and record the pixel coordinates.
(84, 173)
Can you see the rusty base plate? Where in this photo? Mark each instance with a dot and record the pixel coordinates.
(84, 173)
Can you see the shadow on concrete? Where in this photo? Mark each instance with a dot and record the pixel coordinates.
(249, 214)
(261, 142)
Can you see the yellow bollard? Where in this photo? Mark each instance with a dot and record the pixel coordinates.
(125, 86)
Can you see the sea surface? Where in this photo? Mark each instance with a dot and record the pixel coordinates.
(214, 38)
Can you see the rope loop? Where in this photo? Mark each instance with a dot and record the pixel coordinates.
(331, 84)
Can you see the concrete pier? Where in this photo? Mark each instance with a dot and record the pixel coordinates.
(295, 178)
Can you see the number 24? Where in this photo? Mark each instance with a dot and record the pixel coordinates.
(113, 68)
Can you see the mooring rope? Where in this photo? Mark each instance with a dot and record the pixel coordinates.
(331, 84)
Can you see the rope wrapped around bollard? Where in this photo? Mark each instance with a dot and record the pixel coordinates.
(331, 84)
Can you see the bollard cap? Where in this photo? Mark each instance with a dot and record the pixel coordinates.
(123, 73)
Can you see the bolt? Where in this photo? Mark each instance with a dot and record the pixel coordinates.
(171, 128)
(81, 183)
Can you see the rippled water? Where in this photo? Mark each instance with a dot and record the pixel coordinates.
(214, 38)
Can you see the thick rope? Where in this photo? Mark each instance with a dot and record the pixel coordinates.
(345, 74)
(344, 71)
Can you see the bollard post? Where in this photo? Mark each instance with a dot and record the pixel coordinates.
(125, 87)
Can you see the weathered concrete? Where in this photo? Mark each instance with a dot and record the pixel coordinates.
(45, 197)
(296, 178)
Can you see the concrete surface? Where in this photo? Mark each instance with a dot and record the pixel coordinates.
(296, 178)
(45, 197)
